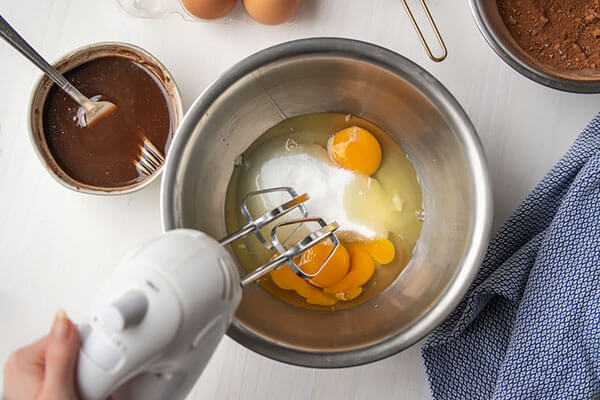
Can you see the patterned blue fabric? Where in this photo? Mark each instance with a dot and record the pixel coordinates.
(529, 326)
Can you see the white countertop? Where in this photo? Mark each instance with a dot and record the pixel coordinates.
(57, 246)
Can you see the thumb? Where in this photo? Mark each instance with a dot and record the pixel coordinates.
(61, 356)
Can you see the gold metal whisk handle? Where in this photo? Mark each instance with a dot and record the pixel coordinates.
(420, 33)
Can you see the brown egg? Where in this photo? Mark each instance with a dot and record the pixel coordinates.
(208, 9)
(271, 12)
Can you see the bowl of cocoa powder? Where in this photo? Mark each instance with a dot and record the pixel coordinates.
(553, 42)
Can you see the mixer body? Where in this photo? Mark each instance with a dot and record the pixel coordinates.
(154, 327)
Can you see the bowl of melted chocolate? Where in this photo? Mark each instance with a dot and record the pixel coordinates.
(101, 158)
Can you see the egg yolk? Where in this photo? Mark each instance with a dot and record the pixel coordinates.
(310, 262)
(335, 269)
(382, 251)
(342, 278)
(362, 268)
(286, 278)
(315, 296)
(355, 149)
(350, 294)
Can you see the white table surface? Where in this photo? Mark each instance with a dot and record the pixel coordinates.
(57, 247)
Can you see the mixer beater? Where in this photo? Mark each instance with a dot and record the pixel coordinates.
(286, 254)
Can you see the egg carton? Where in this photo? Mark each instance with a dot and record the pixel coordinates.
(161, 9)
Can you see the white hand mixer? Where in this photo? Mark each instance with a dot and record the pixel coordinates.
(155, 325)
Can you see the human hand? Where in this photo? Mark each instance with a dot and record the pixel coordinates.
(45, 370)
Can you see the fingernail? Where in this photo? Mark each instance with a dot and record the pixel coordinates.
(60, 327)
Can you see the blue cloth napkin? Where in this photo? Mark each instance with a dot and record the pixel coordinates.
(529, 326)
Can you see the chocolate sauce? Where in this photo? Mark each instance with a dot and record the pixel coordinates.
(103, 154)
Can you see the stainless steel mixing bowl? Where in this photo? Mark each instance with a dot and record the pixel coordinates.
(494, 31)
(346, 76)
